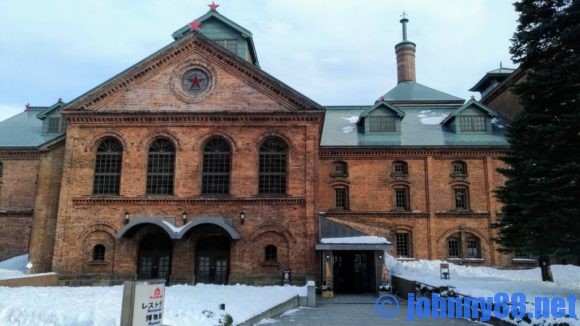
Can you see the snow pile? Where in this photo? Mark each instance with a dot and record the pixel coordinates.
(184, 305)
(480, 281)
(356, 240)
(14, 267)
(429, 117)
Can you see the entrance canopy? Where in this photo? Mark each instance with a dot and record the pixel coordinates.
(178, 232)
(359, 243)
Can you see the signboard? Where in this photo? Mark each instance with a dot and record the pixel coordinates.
(143, 303)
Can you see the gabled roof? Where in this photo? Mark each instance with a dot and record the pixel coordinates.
(379, 105)
(214, 14)
(158, 61)
(410, 91)
(471, 102)
(49, 109)
(500, 72)
(25, 130)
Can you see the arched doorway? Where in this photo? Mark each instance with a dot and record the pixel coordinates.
(154, 259)
(212, 256)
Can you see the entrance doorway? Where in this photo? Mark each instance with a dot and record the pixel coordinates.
(155, 256)
(353, 271)
(212, 257)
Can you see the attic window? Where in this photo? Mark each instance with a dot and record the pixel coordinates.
(382, 124)
(230, 45)
(473, 123)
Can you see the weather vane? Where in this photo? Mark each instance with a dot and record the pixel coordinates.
(404, 15)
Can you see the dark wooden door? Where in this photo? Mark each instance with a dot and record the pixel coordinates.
(154, 260)
(212, 259)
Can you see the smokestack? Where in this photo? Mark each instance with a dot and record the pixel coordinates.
(405, 51)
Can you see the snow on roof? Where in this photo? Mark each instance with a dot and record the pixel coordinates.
(356, 240)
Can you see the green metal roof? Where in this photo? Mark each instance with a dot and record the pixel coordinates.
(496, 73)
(25, 130)
(421, 126)
(246, 34)
(409, 91)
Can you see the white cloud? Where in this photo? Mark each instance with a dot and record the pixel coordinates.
(337, 52)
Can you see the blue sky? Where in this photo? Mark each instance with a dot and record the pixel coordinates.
(336, 52)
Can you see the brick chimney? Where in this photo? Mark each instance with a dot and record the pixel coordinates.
(405, 51)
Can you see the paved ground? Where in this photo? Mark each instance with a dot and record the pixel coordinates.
(346, 310)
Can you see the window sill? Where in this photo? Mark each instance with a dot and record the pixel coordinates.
(466, 260)
(97, 263)
(339, 175)
(524, 261)
(270, 264)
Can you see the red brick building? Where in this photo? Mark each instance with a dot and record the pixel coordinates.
(195, 165)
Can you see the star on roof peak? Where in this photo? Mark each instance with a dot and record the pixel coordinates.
(213, 6)
(195, 25)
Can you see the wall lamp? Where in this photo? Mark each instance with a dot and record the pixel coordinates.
(184, 217)
(242, 217)
(126, 217)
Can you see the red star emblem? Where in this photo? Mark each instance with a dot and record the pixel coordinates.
(195, 82)
(195, 25)
(213, 6)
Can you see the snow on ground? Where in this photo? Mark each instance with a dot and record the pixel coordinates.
(356, 240)
(184, 305)
(480, 281)
(14, 267)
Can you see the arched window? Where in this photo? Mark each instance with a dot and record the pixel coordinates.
(99, 253)
(453, 247)
(160, 167)
(273, 165)
(461, 196)
(472, 247)
(216, 167)
(403, 244)
(459, 168)
(271, 254)
(108, 161)
(463, 245)
(402, 199)
(341, 198)
(340, 168)
(400, 168)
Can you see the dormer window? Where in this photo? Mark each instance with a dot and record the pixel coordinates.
(473, 123)
(55, 124)
(382, 124)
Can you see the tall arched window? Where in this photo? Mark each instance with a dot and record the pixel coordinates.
(99, 253)
(273, 165)
(160, 167)
(402, 198)
(271, 254)
(216, 167)
(461, 195)
(108, 161)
